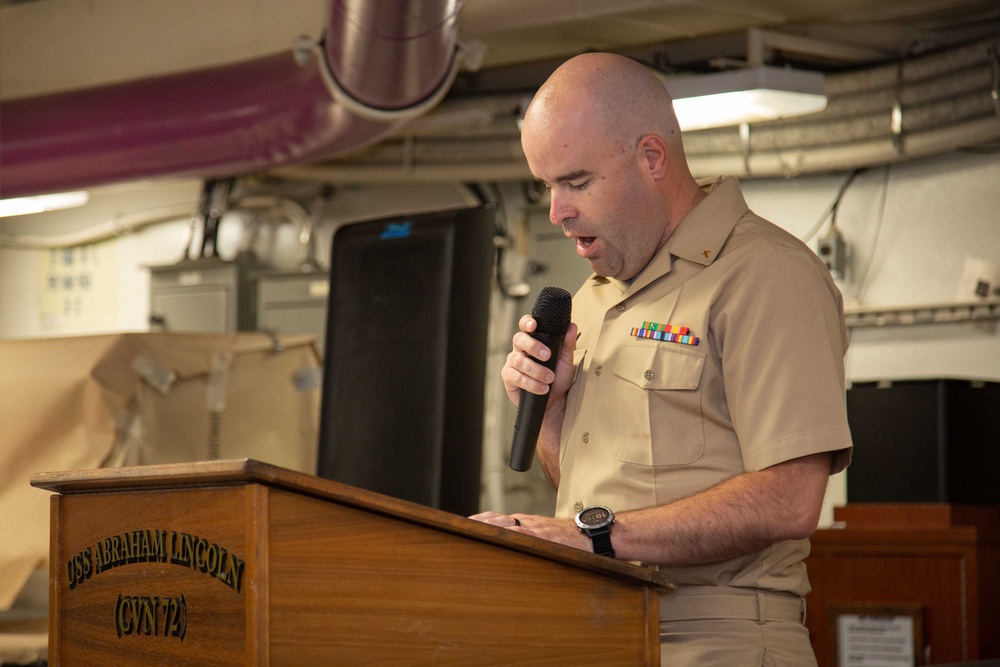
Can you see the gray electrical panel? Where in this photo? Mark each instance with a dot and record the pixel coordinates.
(205, 295)
(293, 303)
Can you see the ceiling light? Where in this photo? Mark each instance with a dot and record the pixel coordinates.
(42, 203)
(748, 95)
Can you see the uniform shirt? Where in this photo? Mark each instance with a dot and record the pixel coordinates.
(758, 381)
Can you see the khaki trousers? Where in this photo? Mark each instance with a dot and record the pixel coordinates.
(702, 626)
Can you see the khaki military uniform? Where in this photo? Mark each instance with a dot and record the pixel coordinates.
(724, 355)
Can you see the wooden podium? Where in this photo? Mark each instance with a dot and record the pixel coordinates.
(243, 563)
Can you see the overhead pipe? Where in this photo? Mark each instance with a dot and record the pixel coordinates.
(379, 64)
(946, 101)
(926, 106)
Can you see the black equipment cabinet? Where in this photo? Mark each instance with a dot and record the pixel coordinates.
(925, 441)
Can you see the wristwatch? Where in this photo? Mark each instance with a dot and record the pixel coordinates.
(595, 522)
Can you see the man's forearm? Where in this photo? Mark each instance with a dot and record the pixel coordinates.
(739, 516)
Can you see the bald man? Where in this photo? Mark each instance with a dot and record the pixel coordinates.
(697, 406)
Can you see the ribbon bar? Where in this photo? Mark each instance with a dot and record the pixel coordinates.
(667, 336)
(666, 328)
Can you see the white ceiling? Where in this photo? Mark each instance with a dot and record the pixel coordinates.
(524, 30)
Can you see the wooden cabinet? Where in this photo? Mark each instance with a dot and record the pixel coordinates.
(943, 559)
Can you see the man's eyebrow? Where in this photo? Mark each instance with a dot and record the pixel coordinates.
(573, 175)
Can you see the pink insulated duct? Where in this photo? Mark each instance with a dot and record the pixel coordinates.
(379, 64)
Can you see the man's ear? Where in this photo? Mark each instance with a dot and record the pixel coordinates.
(654, 154)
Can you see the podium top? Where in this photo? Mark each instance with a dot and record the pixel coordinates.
(239, 472)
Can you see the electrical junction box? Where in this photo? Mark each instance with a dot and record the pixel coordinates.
(833, 251)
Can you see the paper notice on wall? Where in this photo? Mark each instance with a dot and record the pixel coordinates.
(77, 290)
(875, 641)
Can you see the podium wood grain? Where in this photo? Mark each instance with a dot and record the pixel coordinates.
(241, 563)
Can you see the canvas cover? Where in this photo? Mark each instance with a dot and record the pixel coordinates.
(144, 398)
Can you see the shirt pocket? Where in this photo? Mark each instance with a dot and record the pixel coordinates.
(658, 400)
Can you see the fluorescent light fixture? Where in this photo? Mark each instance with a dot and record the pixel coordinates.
(748, 95)
(42, 203)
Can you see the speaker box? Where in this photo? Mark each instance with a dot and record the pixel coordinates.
(404, 369)
(925, 441)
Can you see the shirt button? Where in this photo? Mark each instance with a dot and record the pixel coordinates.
(597, 371)
(620, 307)
(578, 506)
(648, 375)
(586, 437)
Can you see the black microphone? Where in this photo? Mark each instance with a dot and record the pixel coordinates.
(552, 314)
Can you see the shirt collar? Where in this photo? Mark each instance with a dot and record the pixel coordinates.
(698, 238)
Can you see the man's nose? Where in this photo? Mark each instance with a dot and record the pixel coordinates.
(559, 208)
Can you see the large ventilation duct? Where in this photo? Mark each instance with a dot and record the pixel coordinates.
(380, 63)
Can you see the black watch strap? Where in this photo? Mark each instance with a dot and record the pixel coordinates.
(601, 537)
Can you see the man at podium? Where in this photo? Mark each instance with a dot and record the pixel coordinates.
(697, 407)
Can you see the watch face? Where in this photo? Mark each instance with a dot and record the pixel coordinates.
(595, 516)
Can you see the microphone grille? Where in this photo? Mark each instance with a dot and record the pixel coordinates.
(552, 311)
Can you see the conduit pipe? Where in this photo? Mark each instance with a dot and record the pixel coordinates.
(123, 224)
(386, 61)
(917, 108)
(946, 101)
(115, 226)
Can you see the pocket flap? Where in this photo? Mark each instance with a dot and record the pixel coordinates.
(660, 366)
